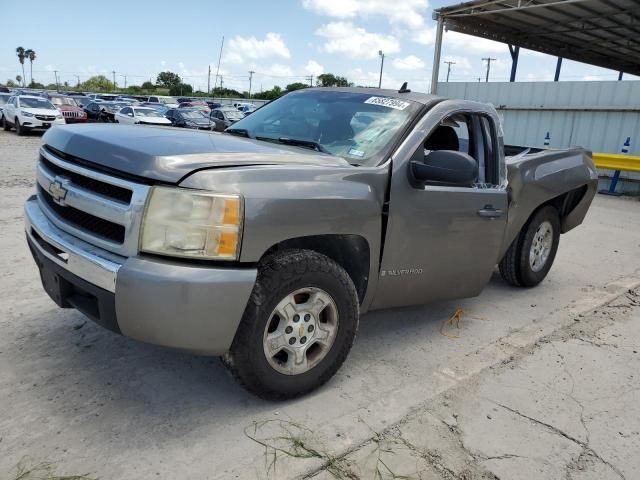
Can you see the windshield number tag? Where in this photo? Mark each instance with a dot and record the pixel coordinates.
(387, 102)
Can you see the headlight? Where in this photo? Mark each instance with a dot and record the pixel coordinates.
(59, 115)
(191, 223)
(27, 114)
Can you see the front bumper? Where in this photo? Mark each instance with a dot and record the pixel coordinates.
(196, 308)
(33, 123)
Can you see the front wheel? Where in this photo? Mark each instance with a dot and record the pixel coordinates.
(5, 125)
(530, 256)
(19, 129)
(298, 327)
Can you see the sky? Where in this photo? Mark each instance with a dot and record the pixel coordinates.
(281, 41)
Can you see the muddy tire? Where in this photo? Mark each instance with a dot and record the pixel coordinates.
(531, 255)
(298, 327)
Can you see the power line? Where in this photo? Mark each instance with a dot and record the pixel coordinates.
(251, 72)
(449, 63)
(488, 60)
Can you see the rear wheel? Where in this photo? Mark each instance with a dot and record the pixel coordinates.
(531, 255)
(5, 125)
(298, 326)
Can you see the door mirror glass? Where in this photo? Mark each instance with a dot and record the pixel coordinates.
(445, 167)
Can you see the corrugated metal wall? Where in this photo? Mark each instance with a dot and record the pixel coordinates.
(595, 115)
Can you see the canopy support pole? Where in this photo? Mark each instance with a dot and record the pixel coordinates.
(558, 67)
(437, 48)
(515, 53)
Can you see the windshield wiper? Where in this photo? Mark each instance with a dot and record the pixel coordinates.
(241, 132)
(297, 142)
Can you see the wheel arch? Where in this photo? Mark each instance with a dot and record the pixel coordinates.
(350, 251)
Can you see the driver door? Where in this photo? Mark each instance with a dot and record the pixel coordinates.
(442, 241)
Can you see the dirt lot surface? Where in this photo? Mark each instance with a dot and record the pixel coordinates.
(530, 383)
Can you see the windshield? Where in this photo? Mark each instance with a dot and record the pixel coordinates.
(59, 101)
(26, 102)
(4, 98)
(361, 127)
(194, 114)
(233, 114)
(147, 112)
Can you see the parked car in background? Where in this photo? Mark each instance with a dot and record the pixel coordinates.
(4, 98)
(202, 106)
(83, 101)
(213, 105)
(71, 111)
(224, 117)
(244, 106)
(141, 116)
(168, 101)
(189, 118)
(101, 111)
(28, 112)
(159, 107)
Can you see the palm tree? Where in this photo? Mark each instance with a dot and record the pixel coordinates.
(20, 52)
(31, 55)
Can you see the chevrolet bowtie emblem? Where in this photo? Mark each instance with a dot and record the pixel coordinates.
(58, 191)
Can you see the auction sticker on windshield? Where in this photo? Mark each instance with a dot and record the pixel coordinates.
(387, 102)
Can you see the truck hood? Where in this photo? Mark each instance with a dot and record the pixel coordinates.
(168, 154)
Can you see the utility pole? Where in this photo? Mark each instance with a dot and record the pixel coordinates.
(251, 72)
(78, 77)
(55, 72)
(381, 66)
(449, 63)
(209, 81)
(114, 79)
(488, 60)
(479, 78)
(218, 68)
(125, 81)
(311, 80)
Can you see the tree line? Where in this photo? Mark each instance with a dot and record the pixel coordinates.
(170, 83)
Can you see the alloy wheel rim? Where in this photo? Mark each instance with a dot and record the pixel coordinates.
(301, 331)
(541, 246)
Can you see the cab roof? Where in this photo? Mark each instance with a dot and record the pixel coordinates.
(423, 98)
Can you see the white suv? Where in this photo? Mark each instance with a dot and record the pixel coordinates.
(26, 112)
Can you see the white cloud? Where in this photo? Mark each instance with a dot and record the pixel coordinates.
(313, 68)
(278, 70)
(242, 49)
(408, 63)
(163, 63)
(356, 42)
(406, 12)
(49, 68)
(460, 41)
(425, 36)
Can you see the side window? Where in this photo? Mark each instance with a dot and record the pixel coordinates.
(471, 134)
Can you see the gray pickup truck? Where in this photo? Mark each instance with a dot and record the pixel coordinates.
(264, 244)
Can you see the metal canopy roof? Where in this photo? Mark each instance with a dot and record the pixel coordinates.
(605, 33)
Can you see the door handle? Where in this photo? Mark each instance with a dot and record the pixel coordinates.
(490, 212)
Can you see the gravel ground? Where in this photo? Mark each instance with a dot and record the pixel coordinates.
(78, 399)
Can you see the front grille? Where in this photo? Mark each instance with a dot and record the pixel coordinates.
(85, 221)
(100, 208)
(71, 114)
(111, 191)
(46, 118)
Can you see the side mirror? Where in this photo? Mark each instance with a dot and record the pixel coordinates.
(446, 167)
(130, 114)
